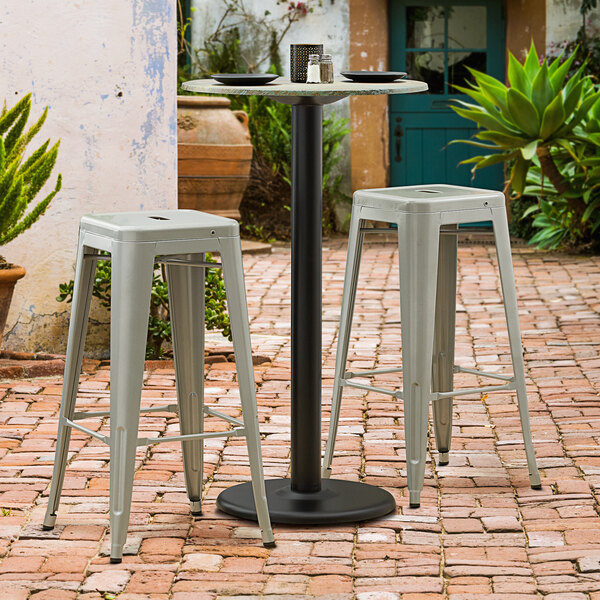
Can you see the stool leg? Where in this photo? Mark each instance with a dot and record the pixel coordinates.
(355, 242)
(514, 335)
(131, 284)
(80, 308)
(418, 242)
(442, 377)
(186, 307)
(233, 271)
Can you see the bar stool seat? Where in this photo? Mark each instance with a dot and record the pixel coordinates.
(136, 241)
(427, 218)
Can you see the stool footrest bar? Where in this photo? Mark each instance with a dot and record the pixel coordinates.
(477, 390)
(215, 413)
(98, 436)
(106, 413)
(238, 431)
(351, 374)
(458, 369)
(370, 388)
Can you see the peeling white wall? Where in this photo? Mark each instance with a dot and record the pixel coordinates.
(563, 20)
(328, 24)
(107, 70)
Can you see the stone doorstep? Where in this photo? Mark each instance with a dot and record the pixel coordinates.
(28, 365)
(24, 365)
(253, 247)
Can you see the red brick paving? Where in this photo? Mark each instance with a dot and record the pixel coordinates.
(481, 532)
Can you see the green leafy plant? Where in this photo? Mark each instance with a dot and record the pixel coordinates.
(159, 323)
(266, 204)
(542, 120)
(579, 162)
(21, 179)
(537, 111)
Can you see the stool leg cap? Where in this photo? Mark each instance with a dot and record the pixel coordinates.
(269, 544)
(443, 458)
(115, 561)
(49, 522)
(196, 508)
(536, 487)
(414, 500)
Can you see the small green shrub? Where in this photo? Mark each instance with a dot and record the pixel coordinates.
(159, 323)
(21, 179)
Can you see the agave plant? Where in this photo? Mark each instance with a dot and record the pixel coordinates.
(21, 179)
(578, 160)
(538, 111)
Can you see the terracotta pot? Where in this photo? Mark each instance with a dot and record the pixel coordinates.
(214, 155)
(8, 279)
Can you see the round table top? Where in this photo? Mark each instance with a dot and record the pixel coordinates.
(283, 87)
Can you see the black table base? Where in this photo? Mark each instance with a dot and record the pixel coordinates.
(337, 501)
(305, 498)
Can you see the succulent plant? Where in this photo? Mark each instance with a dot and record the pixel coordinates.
(539, 110)
(21, 179)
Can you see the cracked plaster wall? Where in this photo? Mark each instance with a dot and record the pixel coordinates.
(564, 20)
(107, 70)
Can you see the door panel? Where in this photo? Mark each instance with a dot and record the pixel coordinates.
(436, 41)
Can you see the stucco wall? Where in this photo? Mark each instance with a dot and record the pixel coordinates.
(107, 70)
(564, 20)
(370, 131)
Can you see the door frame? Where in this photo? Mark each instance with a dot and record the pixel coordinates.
(368, 27)
(426, 123)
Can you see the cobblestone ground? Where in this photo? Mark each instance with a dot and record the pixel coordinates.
(481, 532)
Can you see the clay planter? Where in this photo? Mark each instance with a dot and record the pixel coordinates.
(8, 279)
(214, 155)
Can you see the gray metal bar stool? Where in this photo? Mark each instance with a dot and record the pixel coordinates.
(136, 240)
(427, 217)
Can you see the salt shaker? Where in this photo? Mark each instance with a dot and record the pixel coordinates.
(313, 72)
(326, 68)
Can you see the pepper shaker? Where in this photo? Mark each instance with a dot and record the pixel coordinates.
(326, 68)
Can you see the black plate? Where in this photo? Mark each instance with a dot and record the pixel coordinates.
(373, 76)
(244, 78)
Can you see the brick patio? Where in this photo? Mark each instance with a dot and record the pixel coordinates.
(481, 532)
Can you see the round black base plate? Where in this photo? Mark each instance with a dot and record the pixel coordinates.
(338, 501)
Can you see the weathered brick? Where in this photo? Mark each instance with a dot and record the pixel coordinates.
(478, 516)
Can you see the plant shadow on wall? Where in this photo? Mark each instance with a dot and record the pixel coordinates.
(244, 41)
(546, 127)
(21, 180)
(159, 322)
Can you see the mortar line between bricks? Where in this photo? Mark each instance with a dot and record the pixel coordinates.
(496, 440)
(469, 330)
(445, 580)
(558, 430)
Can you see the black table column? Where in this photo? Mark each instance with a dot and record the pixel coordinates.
(307, 176)
(305, 498)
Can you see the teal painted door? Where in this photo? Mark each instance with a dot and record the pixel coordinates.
(434, 41)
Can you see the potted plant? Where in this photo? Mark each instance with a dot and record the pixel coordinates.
(21, 179)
